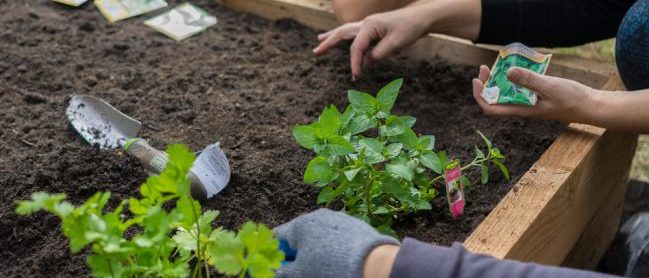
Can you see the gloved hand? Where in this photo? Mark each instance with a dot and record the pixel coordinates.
(328, 244)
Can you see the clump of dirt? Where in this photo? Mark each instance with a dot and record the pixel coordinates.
(244, 82)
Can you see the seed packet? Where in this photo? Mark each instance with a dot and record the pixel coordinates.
(182, 22)
(116, 10)
(454, 189)
(499, 90)
(74, 3)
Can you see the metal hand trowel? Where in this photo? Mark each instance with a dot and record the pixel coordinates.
(101, 124)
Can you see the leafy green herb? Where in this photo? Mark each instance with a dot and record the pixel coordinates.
(162, 242)
(375, 164)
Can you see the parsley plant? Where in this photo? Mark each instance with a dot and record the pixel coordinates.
(166, 243)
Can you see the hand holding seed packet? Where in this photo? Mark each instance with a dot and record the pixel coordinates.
(499, 90)
(182, 22)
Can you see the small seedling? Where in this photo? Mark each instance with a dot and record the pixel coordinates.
(375, 164)
(160, 242)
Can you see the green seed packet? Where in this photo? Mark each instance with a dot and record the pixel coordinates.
(499, 90)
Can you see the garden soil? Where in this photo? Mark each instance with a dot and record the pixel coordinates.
(244, 82)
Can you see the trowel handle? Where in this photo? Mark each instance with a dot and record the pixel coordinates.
(153, 160)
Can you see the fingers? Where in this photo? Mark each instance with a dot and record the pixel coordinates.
(528, 79)
(359, 47)
(483, 75)
(333, 37)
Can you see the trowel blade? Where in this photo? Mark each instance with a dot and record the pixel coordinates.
(213, 169)
(99, 123)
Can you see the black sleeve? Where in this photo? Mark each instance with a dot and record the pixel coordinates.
(418, 260)
(550, 23)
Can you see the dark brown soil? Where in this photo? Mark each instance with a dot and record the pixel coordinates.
(244, 82)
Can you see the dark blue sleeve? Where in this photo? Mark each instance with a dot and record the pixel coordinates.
(418, 259)
(550, 23)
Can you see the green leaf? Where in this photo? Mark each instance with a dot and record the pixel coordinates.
(373, 150)
(380, 210)
(408, 121)
(408, 138)
(226, 252)
(431, 161)
(495, 153)
(502, 167)
(443, 158)
(423, 205)
(426, 142)
(484, 138)
(319, 171)
(190, 210)
(351, 174)
(362, 103)
(402, 168)
(42, 200)
(305, 136)
(484, 173)
(262, 250)
(330, 121)
(393, 127)
(338, 145)
(361, 123)
(466, 183)
(388, 95)
(326, 195)
(479, 153)
(185, 239)
(394, 149)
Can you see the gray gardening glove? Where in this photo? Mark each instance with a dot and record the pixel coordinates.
(328, 244)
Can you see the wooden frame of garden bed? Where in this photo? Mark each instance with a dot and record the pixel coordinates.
(566, 208)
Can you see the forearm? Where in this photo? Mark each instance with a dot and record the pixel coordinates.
(418, 259)
(626, 111)
(459, 18)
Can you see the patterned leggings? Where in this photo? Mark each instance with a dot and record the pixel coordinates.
(632, 47)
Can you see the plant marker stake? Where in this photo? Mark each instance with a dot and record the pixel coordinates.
(454, 189)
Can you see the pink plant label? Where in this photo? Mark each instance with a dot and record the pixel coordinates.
(455, 190)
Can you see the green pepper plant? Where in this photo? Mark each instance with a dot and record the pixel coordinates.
(375, 164)
(150, 240)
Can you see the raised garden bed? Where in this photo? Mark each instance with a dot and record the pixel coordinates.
(246, 82)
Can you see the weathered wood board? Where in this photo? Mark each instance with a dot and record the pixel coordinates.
(565, 209)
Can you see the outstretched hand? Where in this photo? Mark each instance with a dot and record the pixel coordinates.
(393, 30)
(558, 99)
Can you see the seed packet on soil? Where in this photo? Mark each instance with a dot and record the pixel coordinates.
(74, 3)
(454, 189)
(499, 90)
(116, 10)
(182, 22)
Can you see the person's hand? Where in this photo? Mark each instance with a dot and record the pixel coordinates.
(394, 30)
(329, 244)
(557, 98)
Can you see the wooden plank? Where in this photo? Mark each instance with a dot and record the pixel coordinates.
(602, 228)
(318, 14)
(547, 211)
(600, 232)
(550, 207)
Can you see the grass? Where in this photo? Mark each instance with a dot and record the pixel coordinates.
(605, 51)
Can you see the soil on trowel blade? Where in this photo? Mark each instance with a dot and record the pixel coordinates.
(244, 82)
